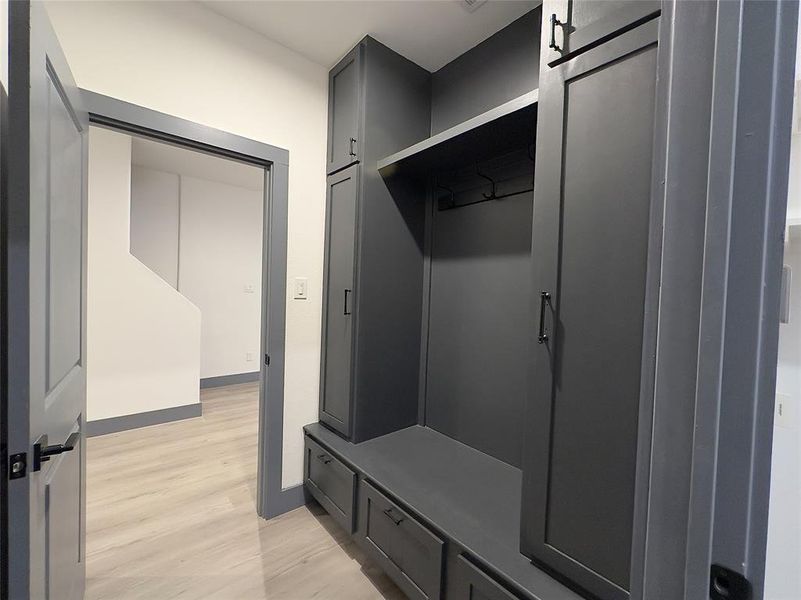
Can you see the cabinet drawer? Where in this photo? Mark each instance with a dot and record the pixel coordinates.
(471, 583)
(407, 551)
(331, 483)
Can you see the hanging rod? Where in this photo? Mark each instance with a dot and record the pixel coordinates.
(486, 198)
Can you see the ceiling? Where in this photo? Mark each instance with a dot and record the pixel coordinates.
(429, 32)
(161, 156)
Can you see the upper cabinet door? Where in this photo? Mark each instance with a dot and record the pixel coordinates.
(590, 250)
(573, 26)
(345, 99)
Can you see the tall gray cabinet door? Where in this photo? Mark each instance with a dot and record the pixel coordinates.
(571, 26)
(338, 301)
(590, 255)
(44, 313)
(345, 100)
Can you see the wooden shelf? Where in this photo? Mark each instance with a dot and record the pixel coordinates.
(504, 128)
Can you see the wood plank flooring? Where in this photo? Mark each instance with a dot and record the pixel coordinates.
(171, 514)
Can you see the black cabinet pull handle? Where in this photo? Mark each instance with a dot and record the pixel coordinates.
(396, 520)
(545, 298)
(554, 23)
(324, 458)
(346, 309)
(352, 147)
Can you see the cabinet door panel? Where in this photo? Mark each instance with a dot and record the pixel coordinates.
(591, 232)
(570, 26)
(471, 583)
(344, 111)
(335, 400)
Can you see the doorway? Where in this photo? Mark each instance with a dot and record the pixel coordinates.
(173, 333)
(125, 118)
(174, 279)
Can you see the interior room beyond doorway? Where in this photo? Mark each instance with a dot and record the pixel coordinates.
(174, 278)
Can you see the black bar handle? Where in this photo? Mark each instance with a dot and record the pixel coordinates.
(42, 451)
(545, 298)
(554, 23)
(346, 309)
(324, 458)
(396, 520)
(351, 147)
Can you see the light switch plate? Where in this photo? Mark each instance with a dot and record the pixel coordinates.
(250, 288)
(301, 288)
(784, 411)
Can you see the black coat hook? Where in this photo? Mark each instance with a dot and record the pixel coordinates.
(492, 195)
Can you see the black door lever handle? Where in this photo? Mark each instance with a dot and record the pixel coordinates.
(42, 452)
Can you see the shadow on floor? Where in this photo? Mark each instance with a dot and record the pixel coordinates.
(382, 583)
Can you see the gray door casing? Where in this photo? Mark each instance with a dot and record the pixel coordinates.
(46, 309)
(724, 107)
(272, 498)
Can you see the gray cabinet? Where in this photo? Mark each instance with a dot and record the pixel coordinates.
(409, 553)
(345, 111)
(573, 26)
(468, 582)
(374, 264)
(342, 202)
(331, 482)
(590, 247)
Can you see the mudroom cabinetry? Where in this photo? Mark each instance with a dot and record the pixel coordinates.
(372, 286)
(486, 347)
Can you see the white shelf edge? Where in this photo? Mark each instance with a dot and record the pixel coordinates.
(504, 109)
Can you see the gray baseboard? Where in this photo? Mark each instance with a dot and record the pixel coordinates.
(221, 380)
(144, 419)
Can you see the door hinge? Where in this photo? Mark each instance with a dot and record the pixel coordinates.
(18, 465)
(725, 584)
(267, 359)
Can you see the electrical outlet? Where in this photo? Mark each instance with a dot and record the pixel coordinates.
(249, 356)
(784, 411)
(301, 288)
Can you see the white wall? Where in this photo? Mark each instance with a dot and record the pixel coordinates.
(220, 271)
(143, 337)
(783, 568)
(182, 59)
(4, 43)
(204, 238)
(155, 221)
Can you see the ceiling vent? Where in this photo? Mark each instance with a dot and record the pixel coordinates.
(471, 5)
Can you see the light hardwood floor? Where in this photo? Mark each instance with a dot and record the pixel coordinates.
(171, 514)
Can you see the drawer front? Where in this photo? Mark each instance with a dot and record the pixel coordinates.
(409, 553)
(331, 483)
(471, 583)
